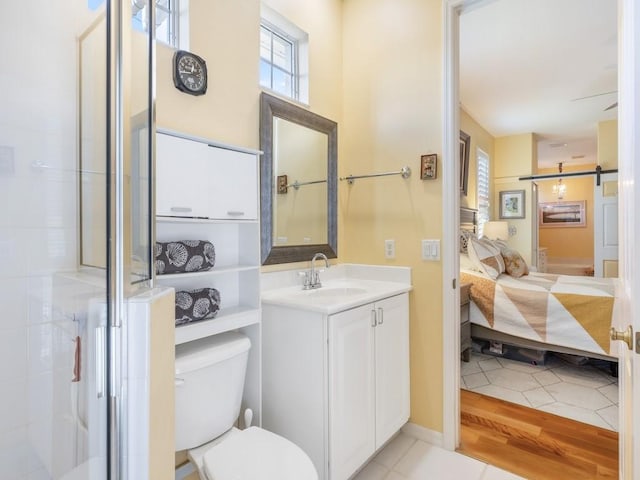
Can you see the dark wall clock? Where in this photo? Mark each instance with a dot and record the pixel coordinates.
(189, 73)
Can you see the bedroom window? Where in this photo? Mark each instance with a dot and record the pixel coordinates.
(172, 20)
(483, 190)
(283, 56)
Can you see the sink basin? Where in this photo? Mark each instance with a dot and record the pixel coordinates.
(337, 292)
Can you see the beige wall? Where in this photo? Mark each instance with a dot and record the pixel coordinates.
(480, 139)
(392, 115)
(575, 243)
(608, 144)
(515, 156)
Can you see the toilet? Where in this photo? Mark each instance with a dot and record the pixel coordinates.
(209, 383)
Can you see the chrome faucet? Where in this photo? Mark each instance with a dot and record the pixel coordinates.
(312, 277)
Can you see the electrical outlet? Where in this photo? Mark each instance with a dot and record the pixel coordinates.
(431, 250)
(390, 249)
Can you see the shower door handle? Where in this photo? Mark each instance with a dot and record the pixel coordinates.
(100, 363)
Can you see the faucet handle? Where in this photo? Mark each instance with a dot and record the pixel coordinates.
(306, 280)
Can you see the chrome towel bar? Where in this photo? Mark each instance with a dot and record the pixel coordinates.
(404, 171)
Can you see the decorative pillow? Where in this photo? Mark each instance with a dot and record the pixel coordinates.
(194, 305)
(184, 256)
(465, 235)
(513, 262)
(486, 257)
(467, 264)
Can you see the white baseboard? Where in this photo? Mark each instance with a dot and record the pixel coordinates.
(423, 433)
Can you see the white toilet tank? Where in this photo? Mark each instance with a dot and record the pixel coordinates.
(209, 383)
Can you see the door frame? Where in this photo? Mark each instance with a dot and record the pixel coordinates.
(629, 130)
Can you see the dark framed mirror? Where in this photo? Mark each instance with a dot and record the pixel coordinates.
(298, 183)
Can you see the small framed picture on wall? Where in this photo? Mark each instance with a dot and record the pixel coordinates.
(512, 204)
(428, 166)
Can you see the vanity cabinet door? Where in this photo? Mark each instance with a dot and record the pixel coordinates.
(391, 366)
(351, 390)
(180, 166)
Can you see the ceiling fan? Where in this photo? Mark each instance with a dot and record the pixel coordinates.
(613, 105)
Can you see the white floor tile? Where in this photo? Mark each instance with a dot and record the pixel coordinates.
(546, 378)
(610, 415)
(424, 461)
(395, 450)
(585, 376)
(538, 397)
(575, 413)
(504, 394)
(489, 364)
(493, 473)
(611, 392)
(475, 380)
(512, 379)
(467, 368)
(372, 471)
(578, 395)
(521, 366)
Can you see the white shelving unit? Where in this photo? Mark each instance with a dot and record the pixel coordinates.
(206, 190)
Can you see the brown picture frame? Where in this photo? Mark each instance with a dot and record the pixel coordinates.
(429, 166)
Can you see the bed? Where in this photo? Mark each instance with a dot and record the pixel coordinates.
(540, 311)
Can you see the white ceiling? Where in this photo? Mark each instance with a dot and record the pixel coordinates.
(523, 64)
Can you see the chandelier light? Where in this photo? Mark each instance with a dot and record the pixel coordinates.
(559, 189)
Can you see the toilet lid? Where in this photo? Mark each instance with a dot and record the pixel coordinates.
(256, 454)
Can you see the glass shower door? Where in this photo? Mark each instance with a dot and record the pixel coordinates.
(74, 230)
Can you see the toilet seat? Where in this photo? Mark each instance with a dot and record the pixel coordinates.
(257, 454)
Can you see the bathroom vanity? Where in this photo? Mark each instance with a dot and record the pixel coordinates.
(336, 364)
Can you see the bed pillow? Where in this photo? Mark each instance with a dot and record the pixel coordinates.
(486, 257)
(514, 264)
(465, 235)
(467, 264)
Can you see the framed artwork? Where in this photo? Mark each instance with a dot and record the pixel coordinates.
(428, 166)
(465, 145)
(512, 204)
(562, 214)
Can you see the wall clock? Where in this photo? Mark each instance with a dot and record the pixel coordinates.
(189, 73)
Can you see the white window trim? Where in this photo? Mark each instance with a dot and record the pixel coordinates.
(274, 21)
(484, 211)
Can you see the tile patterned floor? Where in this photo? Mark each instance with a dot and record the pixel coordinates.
(583, 393)
(405, 458)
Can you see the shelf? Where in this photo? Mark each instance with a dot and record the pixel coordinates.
(227, 319)
(202, 220)
(213, 271)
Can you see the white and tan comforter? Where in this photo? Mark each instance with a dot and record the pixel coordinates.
(564, 310)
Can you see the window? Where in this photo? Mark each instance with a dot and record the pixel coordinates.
(172, 20)
(483, 190)
(283, 56)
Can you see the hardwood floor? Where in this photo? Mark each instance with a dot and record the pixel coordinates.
(534, 444)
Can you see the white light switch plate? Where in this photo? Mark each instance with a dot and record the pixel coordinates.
(390, 249)
(431, 250)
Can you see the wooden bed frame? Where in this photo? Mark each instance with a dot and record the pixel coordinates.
(469, 221)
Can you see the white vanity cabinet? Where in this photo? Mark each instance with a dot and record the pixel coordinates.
(338, 384)
(209, 191)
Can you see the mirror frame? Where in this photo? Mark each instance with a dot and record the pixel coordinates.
(271, 107)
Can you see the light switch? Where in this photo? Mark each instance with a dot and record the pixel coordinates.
(431, 249)
(390, 249)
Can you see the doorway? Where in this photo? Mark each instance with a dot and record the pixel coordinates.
(451, 412)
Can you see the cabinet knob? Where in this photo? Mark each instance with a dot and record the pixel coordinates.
(373, 318)
(380, 315)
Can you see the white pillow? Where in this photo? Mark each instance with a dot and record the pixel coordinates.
(514, 264)
(486, 257)
(465, 235)
(467, 264)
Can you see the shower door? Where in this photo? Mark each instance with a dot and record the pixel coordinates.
(75, 148)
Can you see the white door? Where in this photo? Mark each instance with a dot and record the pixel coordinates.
(351, 390)
(392, 366)
(628, 215)
(605, 226)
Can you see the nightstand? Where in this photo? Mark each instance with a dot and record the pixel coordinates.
(465, 325)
